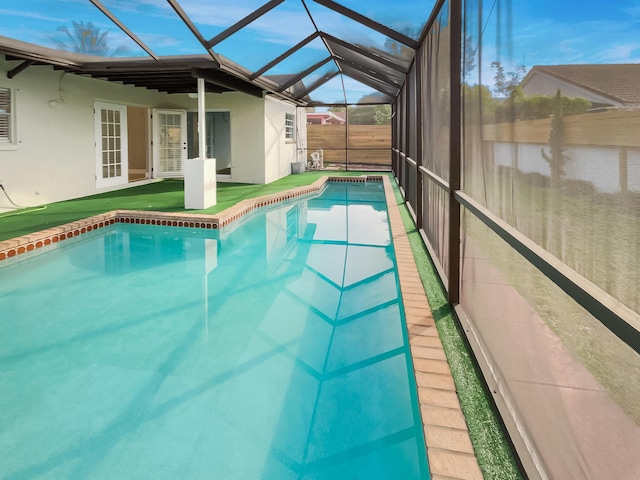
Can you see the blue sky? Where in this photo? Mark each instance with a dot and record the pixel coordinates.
(553, 32)
(538, 32)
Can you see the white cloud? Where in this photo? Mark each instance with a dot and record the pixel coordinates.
(33, 15)
(554, 41)
(622, 53)
(221, 15)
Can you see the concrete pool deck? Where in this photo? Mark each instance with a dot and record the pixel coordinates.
(449, 448)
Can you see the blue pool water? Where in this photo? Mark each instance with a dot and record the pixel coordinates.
(274, 349)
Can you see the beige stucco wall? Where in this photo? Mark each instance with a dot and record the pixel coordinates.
(247, 132)
(54, 158)
(280, 152)
(542, 84)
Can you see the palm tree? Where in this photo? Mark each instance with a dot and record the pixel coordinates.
(88, 39)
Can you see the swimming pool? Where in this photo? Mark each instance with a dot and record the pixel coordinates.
(274, 348)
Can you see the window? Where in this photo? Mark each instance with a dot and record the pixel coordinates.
(6, 121)
(218, 138)
(289, 126)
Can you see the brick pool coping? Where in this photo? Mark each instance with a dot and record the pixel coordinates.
(19, 245)
(449, 448)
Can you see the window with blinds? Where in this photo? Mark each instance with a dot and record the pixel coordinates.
(5, 116)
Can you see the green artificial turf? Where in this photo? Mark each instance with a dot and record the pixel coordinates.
(492, 449)
(164, 196)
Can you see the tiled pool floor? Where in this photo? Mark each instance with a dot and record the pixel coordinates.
(449, 448)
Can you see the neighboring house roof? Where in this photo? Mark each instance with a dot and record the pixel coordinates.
(618, 83)
(338, 117)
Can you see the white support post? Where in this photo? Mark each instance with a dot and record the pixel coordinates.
(200, 173)
(202, 131)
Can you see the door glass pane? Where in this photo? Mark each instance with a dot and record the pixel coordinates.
(218, 138)
(170, 142)
(111, 142)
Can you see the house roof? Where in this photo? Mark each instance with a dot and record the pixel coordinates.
(618, 82)
(310, 52)
(341, 116)
(166, 74)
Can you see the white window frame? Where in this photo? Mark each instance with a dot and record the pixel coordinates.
(120, 150)
(290, 127)
(9, 142)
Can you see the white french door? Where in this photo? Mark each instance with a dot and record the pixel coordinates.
(112, 162)
(169, 142)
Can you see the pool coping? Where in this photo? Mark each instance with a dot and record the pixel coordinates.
(26, 243)
(449, 449)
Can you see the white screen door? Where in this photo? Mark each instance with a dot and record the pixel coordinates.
(112, 162)
(169, 142)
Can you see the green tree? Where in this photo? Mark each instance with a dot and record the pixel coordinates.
(469, 58)
(382, 114)
(499, 78)
(361, 115)
(400, 49)
(88, 39)
(556, 158)
(506, 82)
(479, 101)
(531, 107)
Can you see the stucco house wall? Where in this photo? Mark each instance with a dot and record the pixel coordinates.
(247, 133)
(280, 152)
(540, 83)
(54, 154)
(53, 157)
